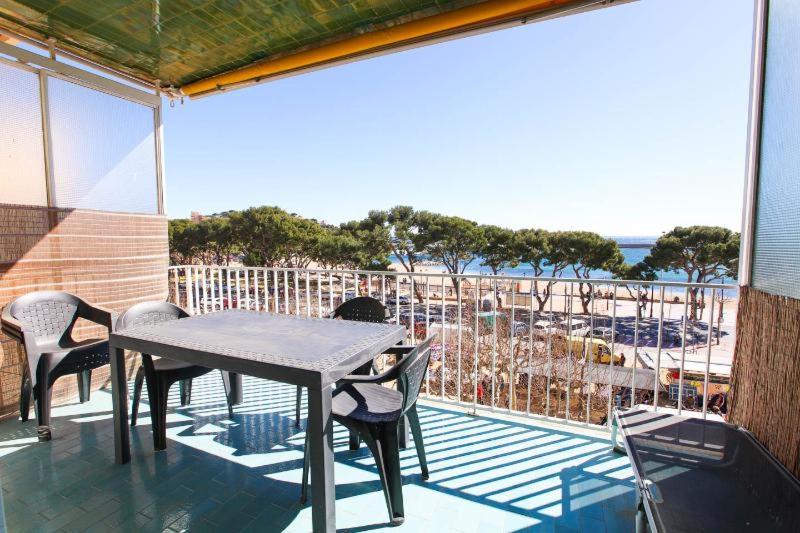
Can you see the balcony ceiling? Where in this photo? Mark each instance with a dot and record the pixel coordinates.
(198, 46)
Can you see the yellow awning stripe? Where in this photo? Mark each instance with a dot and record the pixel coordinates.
(472, 17)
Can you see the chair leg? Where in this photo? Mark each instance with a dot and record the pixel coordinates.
(394, 478)
(226, 384)
(137, 394)
(25, 398)
(185, 392)
(416, 430)
(403, 432)
(84, 385)
(306, 459)
(42, 395)
(355, 441)
(376, 445)
(158, 393)
(297, 406)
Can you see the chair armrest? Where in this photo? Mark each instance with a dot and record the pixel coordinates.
(99, 315)
(19, 332)
(12, 327)
(398, 350)
(389, 375)
(358, 378)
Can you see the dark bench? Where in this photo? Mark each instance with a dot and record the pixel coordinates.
(703, 475)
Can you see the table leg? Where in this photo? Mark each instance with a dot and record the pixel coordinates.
(641, 517)
(119, 394)
(323, 488)
(236, 388)
(614, 430)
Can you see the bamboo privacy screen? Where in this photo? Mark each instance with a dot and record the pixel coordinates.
(766, 373)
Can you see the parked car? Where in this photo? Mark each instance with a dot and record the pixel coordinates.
(575, 327)
(543, 328)
(391, 300)
(595, 350)
(520, 328)
(405, 317)
(607, 334)
(420, 329)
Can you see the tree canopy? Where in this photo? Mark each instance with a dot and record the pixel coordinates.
(584, 252)
(704, 253)
(454, 241)
(269, 236)
(500, 248)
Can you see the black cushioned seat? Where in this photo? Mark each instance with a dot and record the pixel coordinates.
(367, 402)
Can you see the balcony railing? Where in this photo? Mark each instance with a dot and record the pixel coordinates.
(503, 344)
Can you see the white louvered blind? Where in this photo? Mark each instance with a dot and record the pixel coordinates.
(22, 169)
(103, 150)
(776, 257)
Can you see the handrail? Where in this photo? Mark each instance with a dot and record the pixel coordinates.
(608, 281)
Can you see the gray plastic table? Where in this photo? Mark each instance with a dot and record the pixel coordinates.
(698, 475)
(312, 352)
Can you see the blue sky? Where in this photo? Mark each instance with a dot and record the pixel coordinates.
(626, 121)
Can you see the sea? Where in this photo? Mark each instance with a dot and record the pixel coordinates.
(634, 249)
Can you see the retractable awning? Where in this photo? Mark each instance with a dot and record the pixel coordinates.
(196, 47)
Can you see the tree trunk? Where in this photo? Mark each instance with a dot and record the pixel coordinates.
(542, 300)
(586, 297)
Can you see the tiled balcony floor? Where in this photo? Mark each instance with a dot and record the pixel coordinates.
(487, 474)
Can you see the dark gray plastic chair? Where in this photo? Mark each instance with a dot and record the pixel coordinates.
(361, 309)
(42, 322)
(161, 373)
(363, 405)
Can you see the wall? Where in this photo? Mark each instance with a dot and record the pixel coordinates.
(766, 373)
(112, 259)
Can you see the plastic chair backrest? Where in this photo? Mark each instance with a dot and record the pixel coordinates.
(361, 309)
(150, 313)
(412, 369)
(50, 315)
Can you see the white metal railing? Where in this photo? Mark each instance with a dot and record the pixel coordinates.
(499, 348)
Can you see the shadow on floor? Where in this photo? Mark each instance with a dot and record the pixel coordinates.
(487, 474)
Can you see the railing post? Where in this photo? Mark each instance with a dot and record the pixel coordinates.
(276, 288)
(458, 361)
(228, 287)
(256, 302)
(708, 351)
(296, 293)
(494, 341)
(308, 293)
(478, 282)
(176, 285)
(196, 290)
(187, 281)
(444, 340)
(635, 344)
(512, 332)
(658, 347)
(683, 349)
